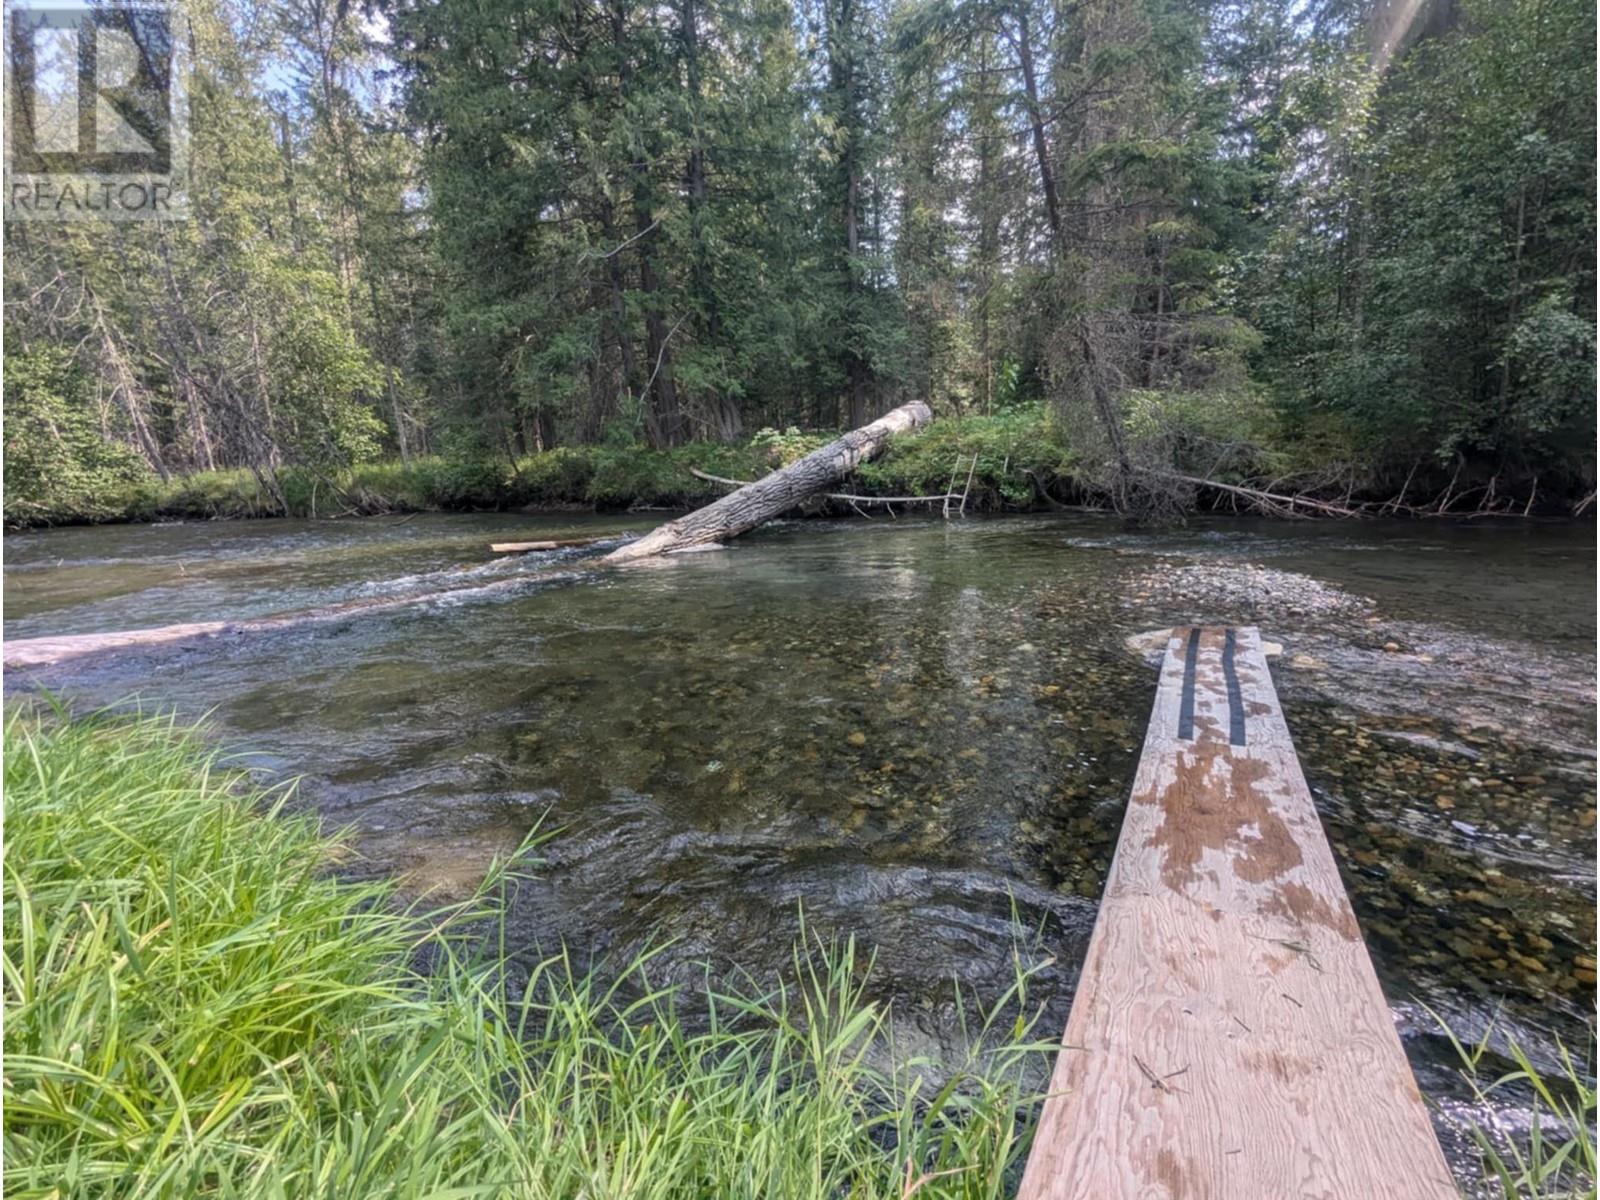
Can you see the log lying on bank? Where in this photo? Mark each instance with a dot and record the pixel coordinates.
(777, 493)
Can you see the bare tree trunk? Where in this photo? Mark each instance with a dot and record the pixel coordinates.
(619, 303)
(291, 195)
(1041, 147)
(855, 365)
(127, 390)
(666, 415)
(663, 415)
(1516, 284)
(778, 492)
(843, 79)
(724, 415)
(1106, 411)
(203, 453)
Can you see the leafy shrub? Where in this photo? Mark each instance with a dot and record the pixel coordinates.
(468, 483)
(629, 475)
(560, 476)
(1551, 351)
(1228, 432)
(781, 449)
(1005, 454)
(57, 464)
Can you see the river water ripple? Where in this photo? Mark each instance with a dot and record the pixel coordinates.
(920, 732)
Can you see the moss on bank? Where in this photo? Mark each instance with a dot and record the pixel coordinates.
(1012, 450)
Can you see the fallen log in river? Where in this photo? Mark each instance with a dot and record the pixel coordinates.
(544, 544)
(777, 493)
(46, 651)
(728, 517)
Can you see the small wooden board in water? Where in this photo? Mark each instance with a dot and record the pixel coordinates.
(548, 544)
(1229, 1039)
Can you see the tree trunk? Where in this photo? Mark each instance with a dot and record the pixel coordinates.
(855, 365)
(619, 301)
(666, 424)
(843, 62)
(778, 492)
(724, 409)
(1041, 147)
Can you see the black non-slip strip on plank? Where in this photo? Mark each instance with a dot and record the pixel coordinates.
(1235, 700)
(1186, 704)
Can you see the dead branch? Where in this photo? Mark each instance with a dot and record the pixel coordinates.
(846, 497)
(1280, 503)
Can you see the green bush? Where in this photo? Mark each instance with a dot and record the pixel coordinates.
(781, 449)
(1005, 453)
(469, 483)
(1231, 433)
(57, 464)
(633, 474)
(560, 476)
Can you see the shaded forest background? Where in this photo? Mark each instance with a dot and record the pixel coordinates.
(1335, 246)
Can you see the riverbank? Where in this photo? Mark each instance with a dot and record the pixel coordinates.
(1016, 461)
(196, 1006)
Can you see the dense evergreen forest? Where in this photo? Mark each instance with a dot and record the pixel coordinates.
(1329, 246)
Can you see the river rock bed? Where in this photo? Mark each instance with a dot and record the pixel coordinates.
(920, 733)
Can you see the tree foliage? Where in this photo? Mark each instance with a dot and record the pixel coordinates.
(58, 459)
(1215, 235)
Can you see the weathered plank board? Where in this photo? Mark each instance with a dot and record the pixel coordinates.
(1229, 1039)
(546, 544)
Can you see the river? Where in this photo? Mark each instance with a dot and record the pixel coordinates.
(921, 732)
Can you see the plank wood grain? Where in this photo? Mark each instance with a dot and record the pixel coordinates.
(545, 544)
(1229, 1039)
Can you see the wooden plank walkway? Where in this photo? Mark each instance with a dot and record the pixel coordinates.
(1228, 1039)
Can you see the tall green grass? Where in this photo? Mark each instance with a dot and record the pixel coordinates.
(194, 1006)
(1555, 1159)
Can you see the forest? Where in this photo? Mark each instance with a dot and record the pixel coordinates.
(574, 821)
(1336, 248)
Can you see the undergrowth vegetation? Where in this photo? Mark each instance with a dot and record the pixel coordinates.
(1013, 449)
(196, 1006)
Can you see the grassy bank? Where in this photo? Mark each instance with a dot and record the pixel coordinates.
(1011, 451)
(194, 1007)
(1018, 460)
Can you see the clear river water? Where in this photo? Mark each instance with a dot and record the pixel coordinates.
(919, 732)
